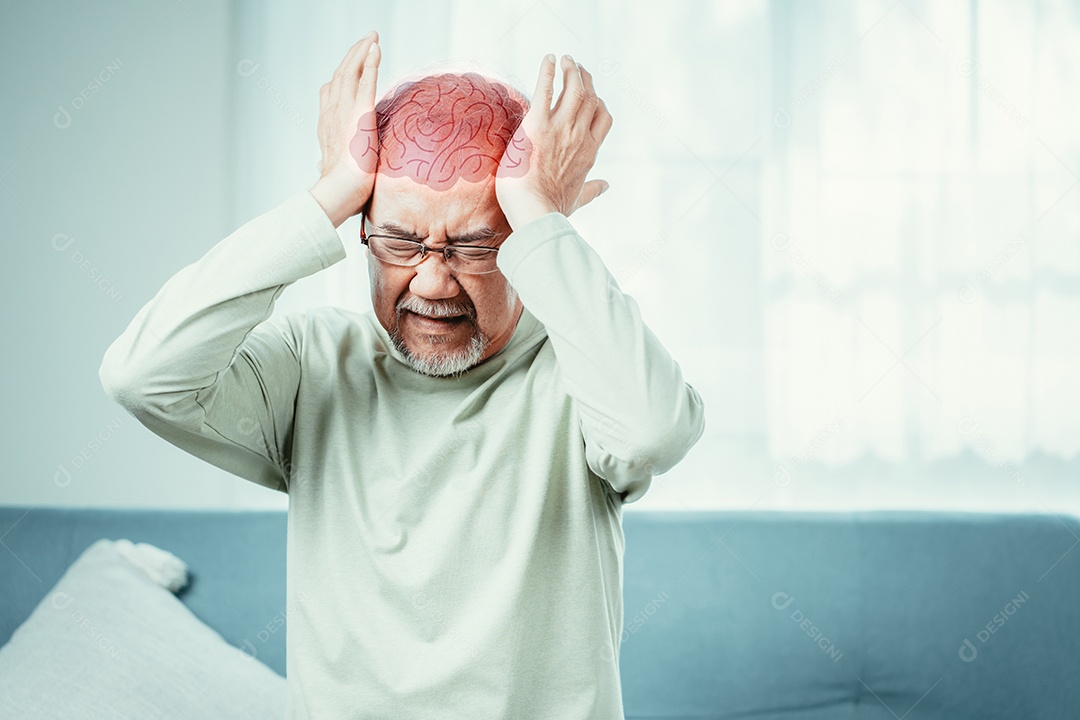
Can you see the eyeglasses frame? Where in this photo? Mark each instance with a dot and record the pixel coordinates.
(424, 249)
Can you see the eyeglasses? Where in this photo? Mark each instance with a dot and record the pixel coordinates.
(467, 259)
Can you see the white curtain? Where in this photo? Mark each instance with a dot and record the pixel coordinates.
(921, 232)
(855, 224)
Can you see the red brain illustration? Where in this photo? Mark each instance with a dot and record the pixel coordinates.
(446, 127)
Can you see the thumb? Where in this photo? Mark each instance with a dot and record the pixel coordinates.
(590, 191)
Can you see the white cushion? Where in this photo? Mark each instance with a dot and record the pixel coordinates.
(111, 641)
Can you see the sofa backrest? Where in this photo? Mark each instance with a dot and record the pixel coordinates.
(887, 614)
(235, 559)
(727, 614)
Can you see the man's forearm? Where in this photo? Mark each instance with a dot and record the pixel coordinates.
(188, 333)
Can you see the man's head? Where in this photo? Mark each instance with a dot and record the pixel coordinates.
(441, 138)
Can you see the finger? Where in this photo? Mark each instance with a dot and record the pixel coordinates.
(590, 102)
(590, 191)
(573, 90)
(601, 122)
(347, 75)
(337, 80)
(369, 77)
(545, 90)
(586, 80)
(351, 57)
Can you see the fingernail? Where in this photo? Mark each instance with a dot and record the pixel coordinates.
(550, 57)
(368, 35)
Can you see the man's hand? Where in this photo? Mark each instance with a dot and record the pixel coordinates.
(347, 133)
(544, 167)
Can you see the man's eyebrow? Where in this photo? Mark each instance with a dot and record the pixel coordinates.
(481, 233)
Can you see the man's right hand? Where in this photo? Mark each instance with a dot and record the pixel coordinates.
(347, 133)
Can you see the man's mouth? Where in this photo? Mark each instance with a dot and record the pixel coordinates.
(437, 322)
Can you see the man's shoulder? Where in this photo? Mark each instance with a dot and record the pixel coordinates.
(336, 314)
(329, 326)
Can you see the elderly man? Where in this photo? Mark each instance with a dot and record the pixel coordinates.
(457, 460)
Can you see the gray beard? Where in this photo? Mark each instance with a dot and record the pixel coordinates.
(444, 364)
(451, 364)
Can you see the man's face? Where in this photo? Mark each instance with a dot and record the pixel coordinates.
(487, 305)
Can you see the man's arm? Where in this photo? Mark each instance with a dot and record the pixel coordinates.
(637, 415)
(199, 366)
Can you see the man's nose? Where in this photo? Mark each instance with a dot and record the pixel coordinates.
(433, 279)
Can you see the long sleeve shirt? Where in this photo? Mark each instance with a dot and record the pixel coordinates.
(455, 546)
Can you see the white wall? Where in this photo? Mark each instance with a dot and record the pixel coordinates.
(131, 186)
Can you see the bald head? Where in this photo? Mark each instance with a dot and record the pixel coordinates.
(441, 128)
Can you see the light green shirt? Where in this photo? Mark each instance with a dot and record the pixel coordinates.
(455, 546)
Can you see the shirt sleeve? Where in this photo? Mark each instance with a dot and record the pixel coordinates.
(637, 415)
(202, 366)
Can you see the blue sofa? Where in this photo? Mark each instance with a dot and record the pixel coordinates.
(765, 615)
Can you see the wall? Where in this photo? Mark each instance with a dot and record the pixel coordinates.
(115, 164)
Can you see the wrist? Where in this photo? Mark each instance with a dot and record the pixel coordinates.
(338, 201)
(520, 212)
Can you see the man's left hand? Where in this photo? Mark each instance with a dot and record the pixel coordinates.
(544, 167)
